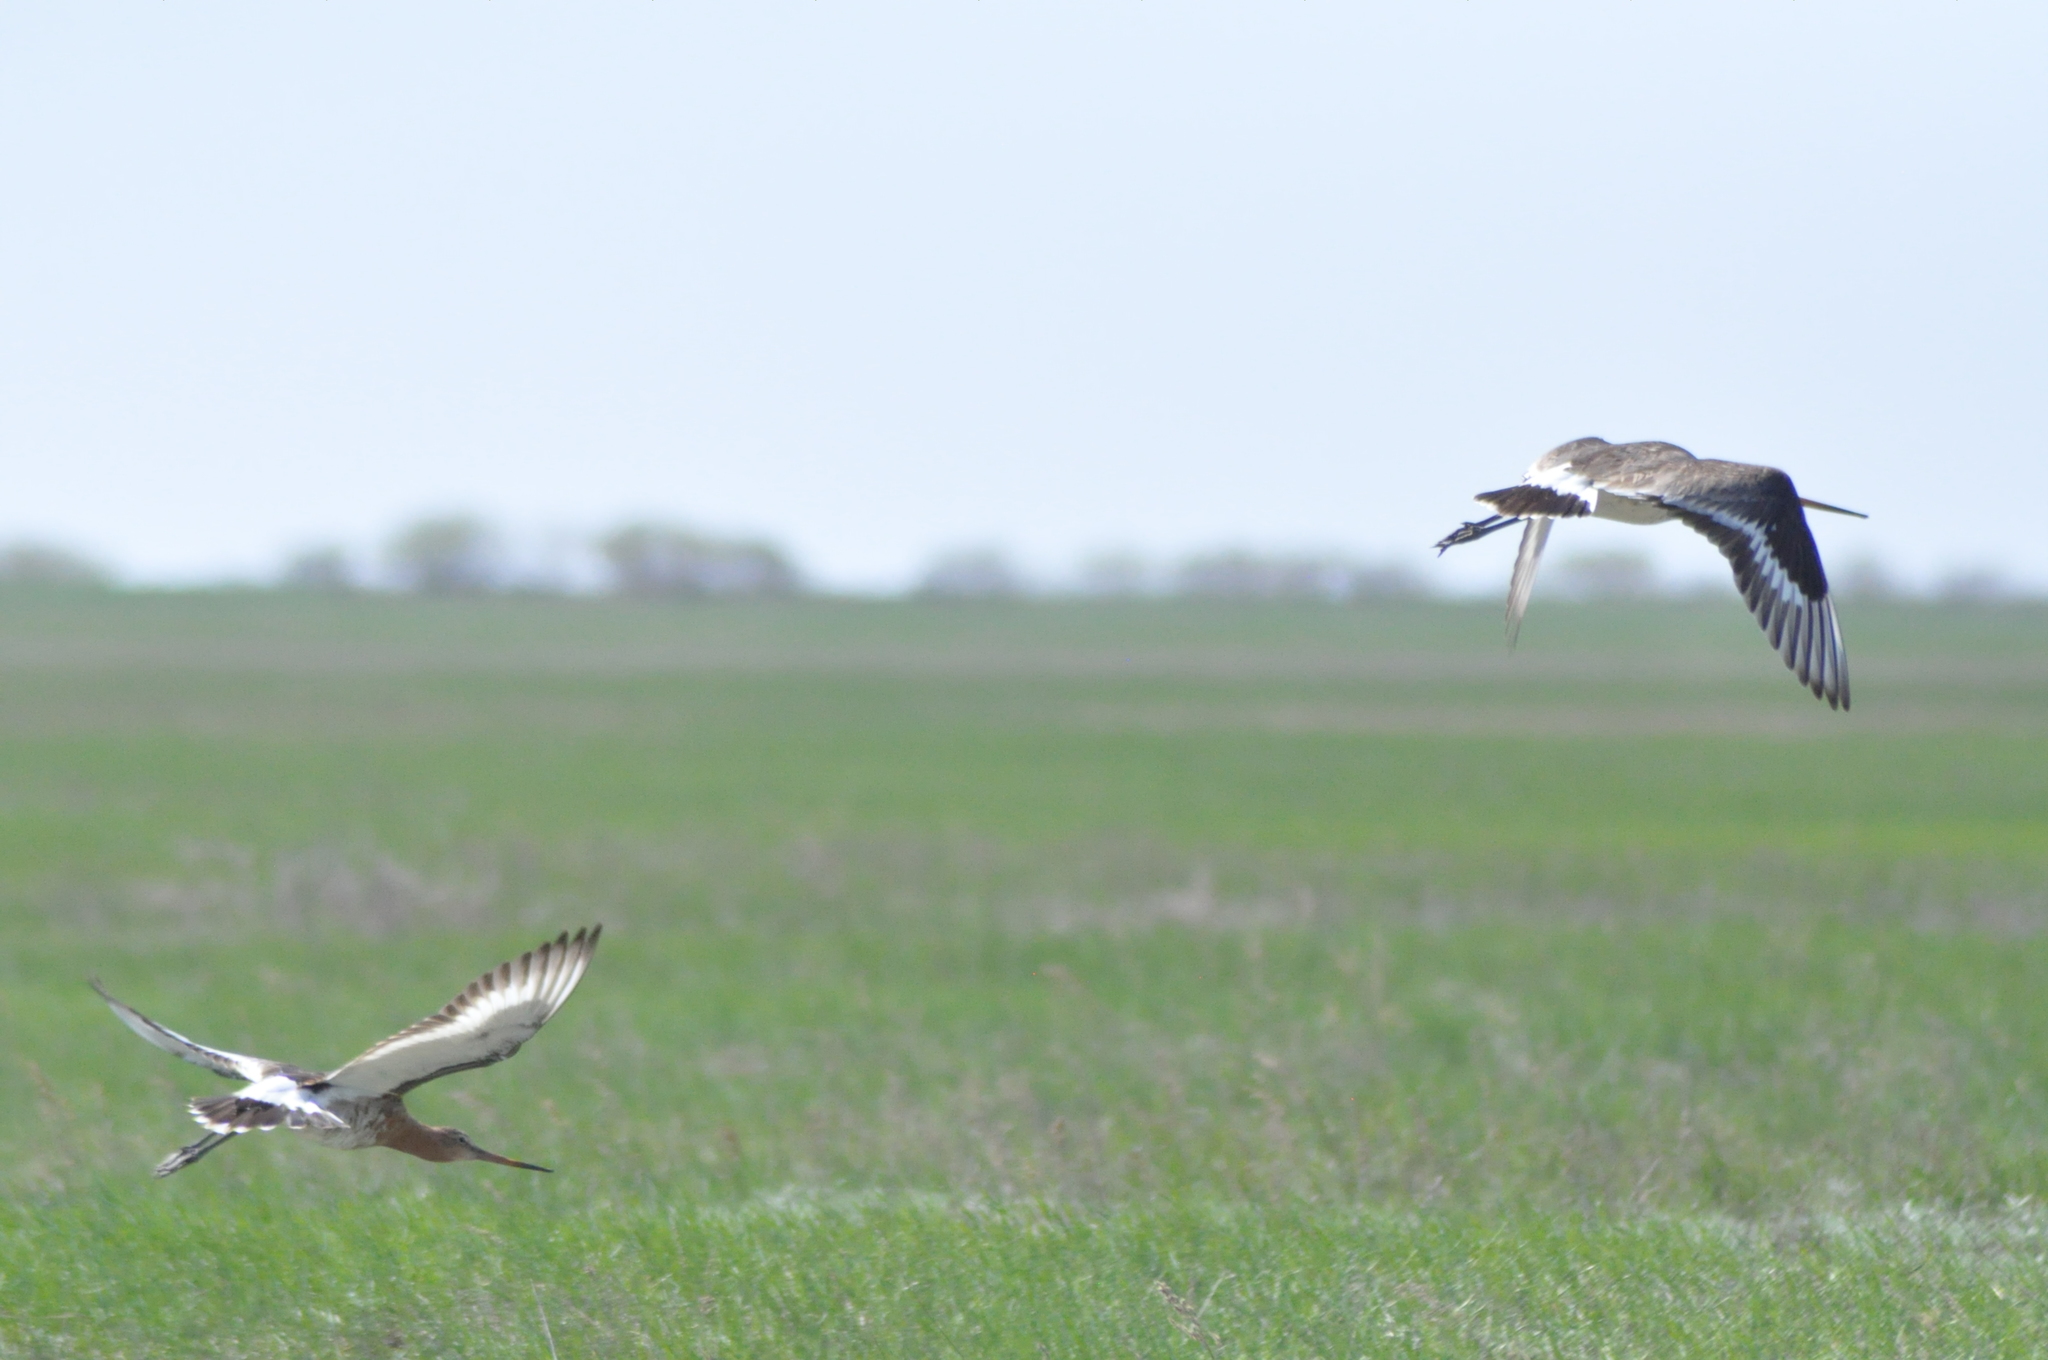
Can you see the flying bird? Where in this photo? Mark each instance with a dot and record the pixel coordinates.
(1752, 514)
(362, 1103)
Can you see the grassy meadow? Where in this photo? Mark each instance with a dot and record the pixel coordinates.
(1074, 979)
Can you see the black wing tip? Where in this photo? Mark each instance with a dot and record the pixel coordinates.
(1836, 695)
(1823, 666)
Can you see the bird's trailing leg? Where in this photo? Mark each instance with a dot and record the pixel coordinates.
(1473, 530)
(189, 1154)
(1535, 534)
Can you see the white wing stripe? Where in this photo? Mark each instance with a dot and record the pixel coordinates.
(487, 1023)
(1802, 630)
(1561, 478)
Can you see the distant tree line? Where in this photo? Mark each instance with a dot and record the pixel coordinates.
(661, 559)
(461, 554)
(1224, 574)
(464, 555)
(1249, 574)
(652, 559)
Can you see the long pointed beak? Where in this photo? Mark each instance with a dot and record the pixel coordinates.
(507, 1161)
(1831, 509)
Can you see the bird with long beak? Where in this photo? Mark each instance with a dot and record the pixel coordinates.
(1752, 514)
(362, 1103)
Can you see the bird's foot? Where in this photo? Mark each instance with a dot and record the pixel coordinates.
(1473, 529)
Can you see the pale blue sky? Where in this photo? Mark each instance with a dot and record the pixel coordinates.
(881, 279)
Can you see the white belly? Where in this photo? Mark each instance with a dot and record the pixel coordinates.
(1607, 505)
(364, 1115)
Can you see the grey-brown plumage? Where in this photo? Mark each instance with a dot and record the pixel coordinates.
(362, 1103)
(1753, 514)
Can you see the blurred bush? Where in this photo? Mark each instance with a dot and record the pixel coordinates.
(1241, 574)
(662, 559)
(1975, 585)
(971, 574)
(47, 567)
(1865, 578)
(447, 555)
(1117, 576)
(1606, 576)
(1386, 581)
(325, 568)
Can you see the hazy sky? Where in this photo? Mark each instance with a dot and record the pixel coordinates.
(878, 280)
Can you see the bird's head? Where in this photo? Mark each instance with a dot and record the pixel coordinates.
(455, 1146)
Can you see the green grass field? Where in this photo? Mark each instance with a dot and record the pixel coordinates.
(1037, 979)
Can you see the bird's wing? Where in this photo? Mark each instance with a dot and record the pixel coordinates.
(212, 1059)
(487, 1023)
(1753, 517)
(1535, 534)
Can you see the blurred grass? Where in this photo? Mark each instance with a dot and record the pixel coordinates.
(456, 1272)
(1180, 938)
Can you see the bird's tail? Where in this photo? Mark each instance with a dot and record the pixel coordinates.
(189, 1154)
